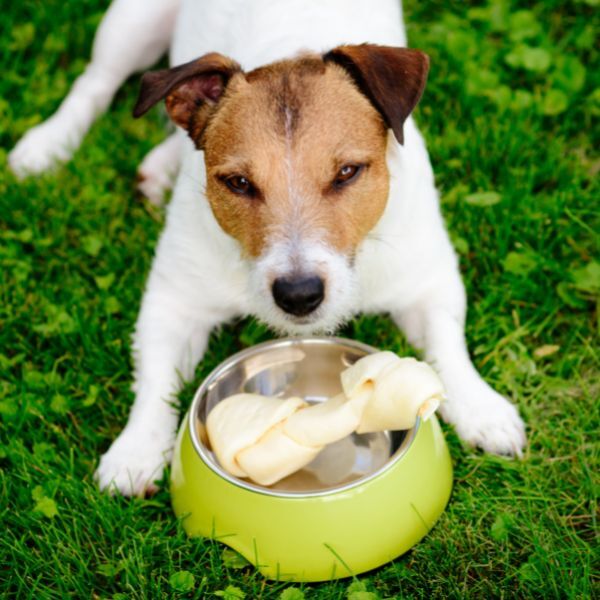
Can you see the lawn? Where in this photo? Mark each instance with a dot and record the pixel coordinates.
(511, 118)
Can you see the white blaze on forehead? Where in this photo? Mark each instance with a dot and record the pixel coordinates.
(294, 220)
(288, 129)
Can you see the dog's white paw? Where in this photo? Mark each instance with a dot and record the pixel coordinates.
(485, 419)
(41, 148)
(133, 463)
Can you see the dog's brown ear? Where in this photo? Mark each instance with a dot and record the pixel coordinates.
(392, 78)
(190, 90)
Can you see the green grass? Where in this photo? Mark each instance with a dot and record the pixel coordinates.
(512, 110)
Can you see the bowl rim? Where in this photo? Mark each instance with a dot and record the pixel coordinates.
(199, 447)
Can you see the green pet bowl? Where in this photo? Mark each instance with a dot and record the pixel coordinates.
(362, 502)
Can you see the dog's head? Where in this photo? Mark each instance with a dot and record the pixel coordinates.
(295, 156)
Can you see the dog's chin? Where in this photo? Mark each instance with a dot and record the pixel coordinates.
(321, 322)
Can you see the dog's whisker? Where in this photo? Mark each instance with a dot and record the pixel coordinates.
(376, 238)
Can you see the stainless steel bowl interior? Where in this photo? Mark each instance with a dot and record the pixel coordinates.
(309, 368)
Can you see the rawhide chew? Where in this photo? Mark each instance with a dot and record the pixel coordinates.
(266, 439)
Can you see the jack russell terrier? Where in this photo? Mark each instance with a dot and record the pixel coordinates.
(305, 195)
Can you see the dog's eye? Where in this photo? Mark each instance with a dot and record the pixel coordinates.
(346, 174)
(239, 185)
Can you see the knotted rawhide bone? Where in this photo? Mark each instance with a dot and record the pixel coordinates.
(266, 439)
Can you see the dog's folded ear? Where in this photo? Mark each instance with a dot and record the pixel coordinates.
(189, 90)
(392, 78)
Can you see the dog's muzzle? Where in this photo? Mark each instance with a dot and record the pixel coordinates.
(298, 296)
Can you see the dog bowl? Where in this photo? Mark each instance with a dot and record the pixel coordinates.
(362, 502)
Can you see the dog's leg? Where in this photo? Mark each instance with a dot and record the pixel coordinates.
(171, 336)
(158, 170)
(480, 415)
(132, 36)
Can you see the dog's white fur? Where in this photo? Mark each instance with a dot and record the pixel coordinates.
(406, 266)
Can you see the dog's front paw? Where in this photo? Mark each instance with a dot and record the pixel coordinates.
(133, 463)
(485, 419)
(40, 149)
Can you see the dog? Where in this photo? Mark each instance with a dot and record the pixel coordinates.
(305, 195)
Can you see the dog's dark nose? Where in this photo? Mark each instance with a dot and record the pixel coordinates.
(298, 296)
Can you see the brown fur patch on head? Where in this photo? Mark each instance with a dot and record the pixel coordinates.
(288, 129)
